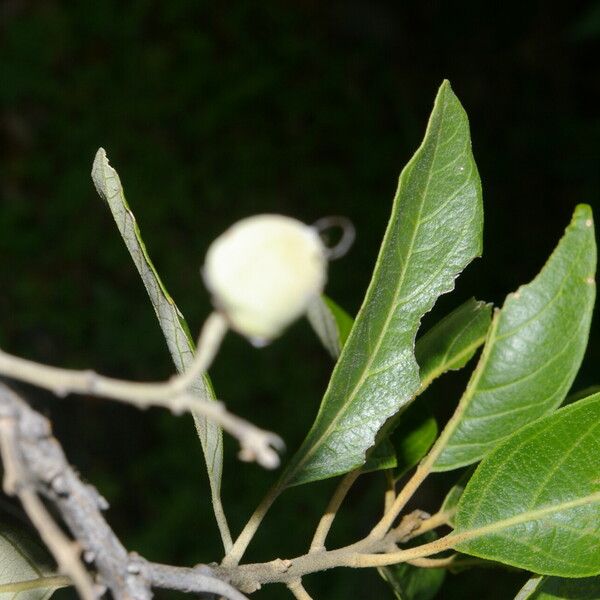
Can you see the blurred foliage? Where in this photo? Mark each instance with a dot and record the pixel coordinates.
(211, 112)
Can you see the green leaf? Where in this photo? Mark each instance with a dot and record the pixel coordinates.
(455, 493)
(24, 563)
(448, 345)
(558, 588)
(172, 322)
(434, 232)
(414, 583)
(533, 351)
(382, 457)
(416, 431)
(331, 323)
(534, 501)
(452, 342)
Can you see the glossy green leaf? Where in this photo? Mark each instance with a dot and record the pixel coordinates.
(452, 342)
(172, 322)
(412, 438)
(559, 588)
(448, 345)
(434, 232)
(533, 351)
(331, 323)
(414, 583)
(534, 501)
(24, 564)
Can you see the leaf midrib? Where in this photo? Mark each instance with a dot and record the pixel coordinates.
(7, 536)
(531, 374)
(494, 337)
(469, 534)
(365, 372)
(526, 440)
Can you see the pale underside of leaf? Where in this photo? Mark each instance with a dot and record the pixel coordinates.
(172, 322)
(560, 588)
(534, 502)
(22, 560)
(433, 233)
(331, 324)
(533, 351)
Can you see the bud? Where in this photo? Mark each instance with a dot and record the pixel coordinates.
(263, 273)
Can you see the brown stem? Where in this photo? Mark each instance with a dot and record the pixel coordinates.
(318, 541)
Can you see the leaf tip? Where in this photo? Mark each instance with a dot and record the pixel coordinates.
(583, 216)
(100, 168)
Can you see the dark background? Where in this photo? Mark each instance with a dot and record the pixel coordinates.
(212, 113)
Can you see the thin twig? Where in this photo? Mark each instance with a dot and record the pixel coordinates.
(425, 466)
(298, 590)
(221, 520)
(390, 492)
(256, 444)
(34, 463)
(421, 473)
(195, 580)
(365, 553)
(241, 543)
(318, 541)
(65, 551)
(438, 520)
(433, 563)
(403, 497)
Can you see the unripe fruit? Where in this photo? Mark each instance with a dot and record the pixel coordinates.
(263, 272)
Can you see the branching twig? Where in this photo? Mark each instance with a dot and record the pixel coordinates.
(34, 463)
(421, 473)
(432, 522)
(298, 590)
(365, 553)
(234, 556)
(433, 563)
(256, 444)
(17, 483)
(198, 579)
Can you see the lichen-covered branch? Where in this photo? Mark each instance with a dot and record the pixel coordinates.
(35, 466)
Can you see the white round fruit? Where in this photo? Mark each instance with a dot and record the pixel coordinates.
(263, 272)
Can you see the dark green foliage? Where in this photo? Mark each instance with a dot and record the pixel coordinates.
(212, 113)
